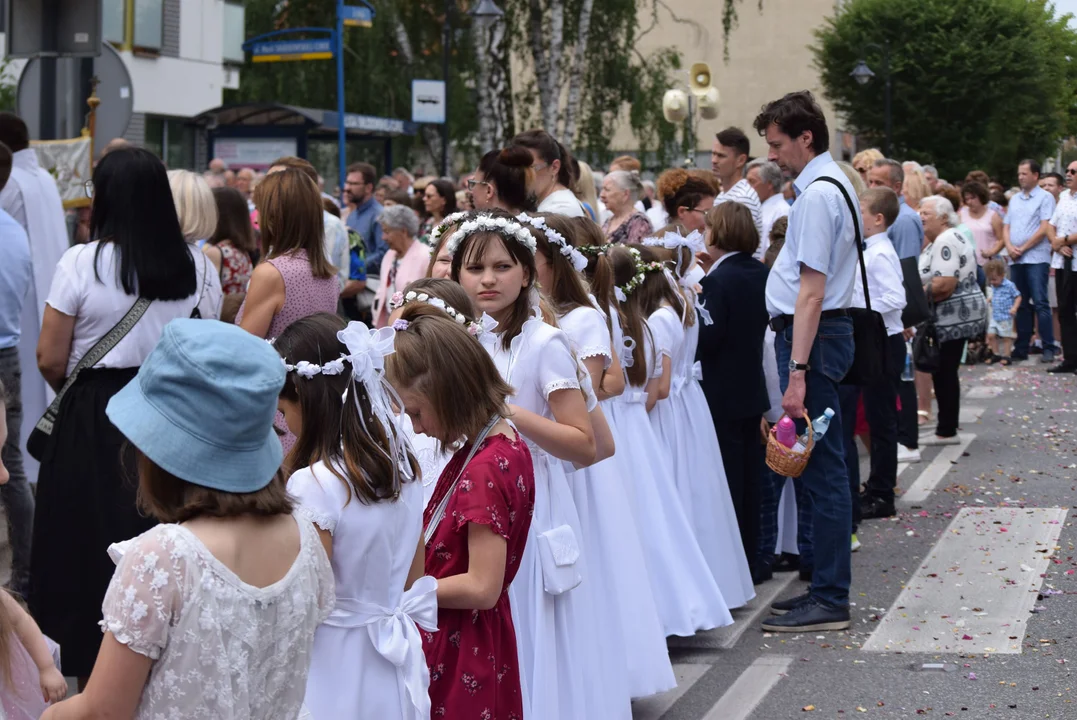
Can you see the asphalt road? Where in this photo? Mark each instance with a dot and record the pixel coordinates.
(964, 604)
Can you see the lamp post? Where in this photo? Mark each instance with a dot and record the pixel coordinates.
(863, 75)
(484, 10)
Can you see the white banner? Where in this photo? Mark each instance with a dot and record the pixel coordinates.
(68, 161)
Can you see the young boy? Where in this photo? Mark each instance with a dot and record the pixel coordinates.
(1005, 299)
(878, 210)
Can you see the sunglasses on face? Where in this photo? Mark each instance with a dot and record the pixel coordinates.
(1071, 171)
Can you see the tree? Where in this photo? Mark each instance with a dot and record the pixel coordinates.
(976, 83)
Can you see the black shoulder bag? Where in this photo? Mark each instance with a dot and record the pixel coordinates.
(869, 329)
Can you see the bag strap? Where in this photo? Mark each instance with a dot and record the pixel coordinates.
(856, 232)
(439, 511)
(101, 348)
(196, 314)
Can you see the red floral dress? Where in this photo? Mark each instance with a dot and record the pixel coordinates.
(474, 671)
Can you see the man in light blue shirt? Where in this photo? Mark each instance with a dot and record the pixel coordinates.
(907, 233)
(809, 291)
(1025, 234)
(363, 219)
(16, 274)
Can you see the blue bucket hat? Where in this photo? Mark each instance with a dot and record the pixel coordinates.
(202, 406)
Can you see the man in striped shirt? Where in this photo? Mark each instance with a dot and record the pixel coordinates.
(728, 158)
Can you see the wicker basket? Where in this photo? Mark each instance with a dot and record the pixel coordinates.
(784, 460)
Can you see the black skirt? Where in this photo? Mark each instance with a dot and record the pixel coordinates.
(85, 501)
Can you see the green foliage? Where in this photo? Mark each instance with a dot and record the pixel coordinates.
(976, 83)
(9, 85)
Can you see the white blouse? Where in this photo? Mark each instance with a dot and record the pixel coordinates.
(98, 302)
(562, 202)
(221, 648)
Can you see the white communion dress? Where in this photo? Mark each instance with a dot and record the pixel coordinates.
(368, 660)
(221, 648)
(613, 540)
(683, 422)
(686, 595)
(558, 635)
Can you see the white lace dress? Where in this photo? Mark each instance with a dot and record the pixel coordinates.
(683, 421)
(368, 662)
(610, 532)
(221, 648)
(558, 636)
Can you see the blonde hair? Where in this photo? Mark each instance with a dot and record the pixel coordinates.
(915, 187)
(854, 177)
(870, 156)
(195, 205)
(584, 188)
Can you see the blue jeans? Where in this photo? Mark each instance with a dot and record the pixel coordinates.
(825, 478)
(1031, 282)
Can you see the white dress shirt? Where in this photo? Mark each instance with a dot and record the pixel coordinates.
(885, 282)
(1064, 221)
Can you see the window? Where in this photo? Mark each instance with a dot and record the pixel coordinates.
(171, 140)
(149, 24)
(113, 21)
(234, 32)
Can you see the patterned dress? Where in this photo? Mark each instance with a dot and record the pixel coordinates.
(474, 668)
(236, 268)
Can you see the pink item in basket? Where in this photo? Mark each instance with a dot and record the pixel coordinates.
(786, 432)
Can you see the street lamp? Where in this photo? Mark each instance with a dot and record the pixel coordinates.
(485, 10)
(863, 75)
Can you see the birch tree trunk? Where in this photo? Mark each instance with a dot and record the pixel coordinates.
(551, 112)
(431, 136)
(575, 75)
(494, 88)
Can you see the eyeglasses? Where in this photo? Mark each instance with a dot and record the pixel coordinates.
(537, 167)
(1071, 171)
(88, 188)
(472, 183)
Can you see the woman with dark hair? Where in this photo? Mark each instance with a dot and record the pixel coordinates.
(439, 201)
(231, 248)
(502, 181)
(137, 274)
(552, 174)
(687, 198)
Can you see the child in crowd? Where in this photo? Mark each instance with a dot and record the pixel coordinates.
(477, 522)
(1005, 299)
(211, 613)
(354, 478)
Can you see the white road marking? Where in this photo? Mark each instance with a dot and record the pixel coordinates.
(974, 591)
(745, 618)
(1000, 375)
(654, 707)
(935, 471)
(983, 392)
(901, 468)
(970, 415)
(745, 694)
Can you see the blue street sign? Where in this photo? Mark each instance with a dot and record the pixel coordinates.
(357, 16)
(285, 50)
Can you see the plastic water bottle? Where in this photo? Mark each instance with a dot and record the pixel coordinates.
(786, 432)
(906, 374)
(819, 427)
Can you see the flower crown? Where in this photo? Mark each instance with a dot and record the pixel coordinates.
(399, 300)
(445, 224)
(672, 240)
(555, 238)
(595, 250)
(505, 227)
(642, 268)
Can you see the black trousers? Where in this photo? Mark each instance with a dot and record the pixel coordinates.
(908, 423)
(880, 407)
(1066, 291)
(947, 388)
(742, 456)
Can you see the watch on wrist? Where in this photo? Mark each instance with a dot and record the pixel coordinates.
(794, 366)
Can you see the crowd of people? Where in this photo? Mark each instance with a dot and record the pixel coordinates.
(474, 448)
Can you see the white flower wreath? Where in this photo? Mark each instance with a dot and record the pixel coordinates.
(506, 228)
(445, 224)
(574, 256)
(623, 291)
(474, 328)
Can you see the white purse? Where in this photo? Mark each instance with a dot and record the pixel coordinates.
(558, 553)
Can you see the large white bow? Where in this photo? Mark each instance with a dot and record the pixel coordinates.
(395, 634)
(367, 349)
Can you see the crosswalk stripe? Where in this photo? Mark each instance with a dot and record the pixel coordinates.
(654, 707)
(935, 471)
(974, 590)
(725, 638)
(745, 694)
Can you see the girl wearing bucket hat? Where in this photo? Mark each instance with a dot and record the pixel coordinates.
(211, 613)
(355, 478)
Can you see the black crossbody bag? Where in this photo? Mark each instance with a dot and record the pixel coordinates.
(869, 329)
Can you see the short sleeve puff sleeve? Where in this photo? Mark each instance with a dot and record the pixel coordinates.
(482, 495)
(586, 328)
(145, 597)
(66, 292)
(558, 368)
(321, 495)
(665, 327)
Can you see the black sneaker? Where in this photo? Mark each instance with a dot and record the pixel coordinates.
(787, 562)
(872, 508)
(812, 616)
(783, 606)
(806, 572)
(1065, 368)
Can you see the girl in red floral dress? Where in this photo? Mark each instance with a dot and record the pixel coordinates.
(478, 518)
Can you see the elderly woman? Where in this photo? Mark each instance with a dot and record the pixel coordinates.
(620, 191)
(948, 271)
(407, 259)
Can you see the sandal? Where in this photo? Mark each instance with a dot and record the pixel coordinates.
(924, 417)
(1006, 361)
(991, 359)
